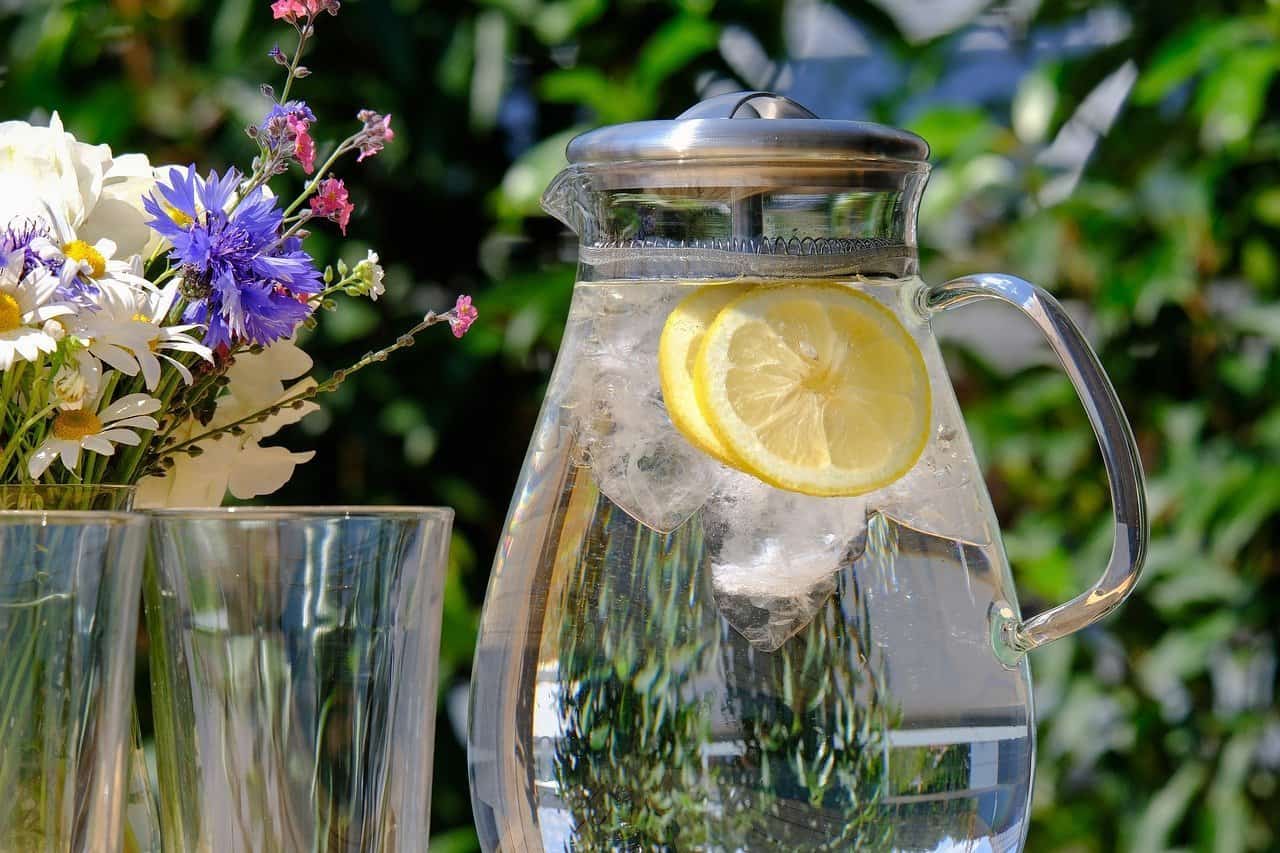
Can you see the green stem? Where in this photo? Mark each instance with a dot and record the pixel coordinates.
(127, 469)
(293, 65)
(14, 441)
(328, 386)
(314, 183)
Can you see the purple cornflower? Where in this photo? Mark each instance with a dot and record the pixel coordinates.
(275, 128)
(16, 238)
(239, 278)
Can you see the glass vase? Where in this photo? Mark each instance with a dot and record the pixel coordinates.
(42, 496)
(142, 822)
(69, 592)
(294, 670)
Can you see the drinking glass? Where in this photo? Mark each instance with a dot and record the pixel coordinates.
(142, 823)
(294, 670)
(68, 620)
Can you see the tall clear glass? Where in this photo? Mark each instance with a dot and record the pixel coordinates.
(294, 676)
(142, 822)
(68, 620)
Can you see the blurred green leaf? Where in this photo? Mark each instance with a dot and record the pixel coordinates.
(1232, 95)
(522, 185)
(956, 131)
(1167, 809)
(672, 47)
(1196, 47)
(354, 321)
(455, 841)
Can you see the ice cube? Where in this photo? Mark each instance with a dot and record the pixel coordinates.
(943, 494)
(639, 459)
(775, 554)
(640, 462)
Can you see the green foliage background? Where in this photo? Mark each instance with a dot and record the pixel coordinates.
(1159, 728)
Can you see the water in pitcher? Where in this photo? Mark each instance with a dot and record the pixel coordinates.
(709, 662)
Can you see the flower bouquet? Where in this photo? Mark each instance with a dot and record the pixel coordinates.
(148, 315)
(149, 319)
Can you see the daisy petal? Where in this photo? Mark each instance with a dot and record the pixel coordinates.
(117, 357)
(130, 406)
(98, 444)
(42, 459)
(181, 368)
(140, 422)
(70, 453)
(150, 368)
(120, 436)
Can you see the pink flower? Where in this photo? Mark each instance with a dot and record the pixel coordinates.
(331, 202)
(462, 316)
(375, 134)
(304, 146)
(288, 10)
(292, 10)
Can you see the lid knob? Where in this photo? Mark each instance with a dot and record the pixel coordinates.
(747, 105)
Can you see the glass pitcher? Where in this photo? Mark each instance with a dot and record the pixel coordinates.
(751, 593)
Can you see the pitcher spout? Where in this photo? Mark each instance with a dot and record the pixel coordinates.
(565, 197)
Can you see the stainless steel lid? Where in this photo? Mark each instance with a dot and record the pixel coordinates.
(746, 126)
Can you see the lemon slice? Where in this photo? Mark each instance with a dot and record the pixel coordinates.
(677, 352)
(815, 388)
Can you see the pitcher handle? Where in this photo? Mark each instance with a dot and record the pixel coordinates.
(1013, 637)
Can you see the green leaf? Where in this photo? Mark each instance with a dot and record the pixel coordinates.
(1227, 818)
(355, 320)
(676, 43)
(1266, 206)
(229, 27)
(454, 70)
(521, 189)
(455, 841)
(1184, 654)
(1166, 809)
(587, 86)
(1231, 99)
(956, 131)
(401, 416)
(1191, 50)
(557, 22)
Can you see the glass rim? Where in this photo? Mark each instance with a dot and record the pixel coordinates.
(15, 516)
(98, 487)
(291, 513)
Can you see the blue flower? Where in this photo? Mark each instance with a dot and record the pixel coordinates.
(240, 279)
(275, 127)
(16, 240)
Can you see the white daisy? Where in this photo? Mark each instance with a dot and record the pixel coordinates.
(70, 388)
(74, 430)
(93, 262)
(125, 332)
(27, 303)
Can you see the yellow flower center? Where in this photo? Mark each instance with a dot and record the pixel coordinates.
(76, 424)
(10, 313)
(79, 250)
(154, 343)
(179, 218)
